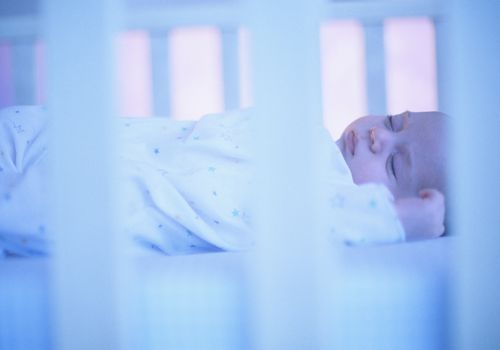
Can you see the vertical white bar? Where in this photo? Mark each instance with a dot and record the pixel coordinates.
(160, 76)
(286, 76)
(476, 124)
(442, 30)
(80, 102)
(344, 76)
(134, 74)
(410, 55)
(231, 71)
(195, 71)
(375, 66)
(23, 70)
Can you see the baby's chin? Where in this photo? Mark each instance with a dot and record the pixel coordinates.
(341, 145)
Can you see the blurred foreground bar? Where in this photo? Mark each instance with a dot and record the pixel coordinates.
(287, 85)
(475, 84)
(80, 100)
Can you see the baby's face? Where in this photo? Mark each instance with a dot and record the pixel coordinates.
(405, 152)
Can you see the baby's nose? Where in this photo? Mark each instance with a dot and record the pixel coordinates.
(375, 141)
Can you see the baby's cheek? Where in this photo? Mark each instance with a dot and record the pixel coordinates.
(363, 175)
(403, 191)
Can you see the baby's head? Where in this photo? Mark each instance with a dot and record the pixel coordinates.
(405, 152)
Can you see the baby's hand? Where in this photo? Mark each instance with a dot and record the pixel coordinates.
(423, 216)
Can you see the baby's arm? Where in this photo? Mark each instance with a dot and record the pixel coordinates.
(422, 216)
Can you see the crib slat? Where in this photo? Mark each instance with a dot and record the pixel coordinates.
(230, 61)
(375, 67)
(23, 72)
(80, 103)
(442, 32)
(286, 78)
(475, 83)
(160, 74)
(227, 13)
(376, 10)
(19, 26)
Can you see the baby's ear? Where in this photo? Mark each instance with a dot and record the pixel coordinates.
(431, 194)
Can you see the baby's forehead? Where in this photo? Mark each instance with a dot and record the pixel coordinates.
(427, 142)
(427, 130)
(432, 122)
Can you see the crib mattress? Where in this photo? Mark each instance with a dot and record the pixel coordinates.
(185, 301)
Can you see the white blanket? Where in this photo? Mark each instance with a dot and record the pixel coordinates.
(183, 184)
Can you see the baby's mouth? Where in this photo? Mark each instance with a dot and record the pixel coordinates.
(350, 141)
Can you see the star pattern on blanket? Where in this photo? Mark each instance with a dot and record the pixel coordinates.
(338, 201)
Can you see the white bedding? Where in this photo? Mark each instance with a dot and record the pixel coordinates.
(184, 186)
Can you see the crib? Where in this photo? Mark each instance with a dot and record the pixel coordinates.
(421, 295)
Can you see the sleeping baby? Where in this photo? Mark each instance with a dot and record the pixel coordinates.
(184, 185)
(406, 154)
